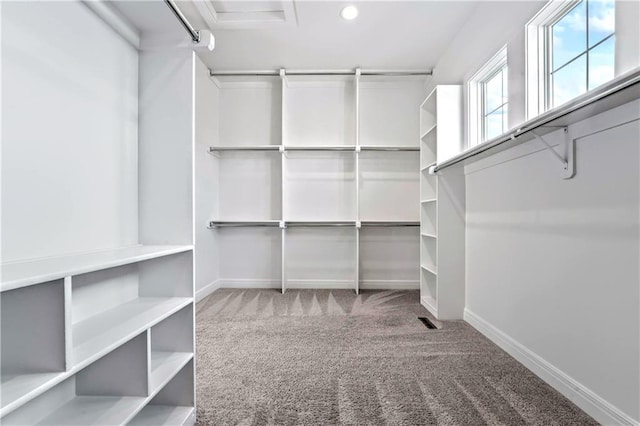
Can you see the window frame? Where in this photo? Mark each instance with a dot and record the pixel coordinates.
(476, 95)
(539, 55)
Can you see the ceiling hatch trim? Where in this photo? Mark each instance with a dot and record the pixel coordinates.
(229, 14)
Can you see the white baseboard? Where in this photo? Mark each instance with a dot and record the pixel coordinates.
(320, 284)
(310, 284)
(207, 290)
(249, 283)
(587, 400)
(389, 285)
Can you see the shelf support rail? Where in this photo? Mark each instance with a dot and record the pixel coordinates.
(567, 146)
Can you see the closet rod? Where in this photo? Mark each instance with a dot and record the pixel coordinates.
(615, 90)
(319, 224)
(195, 35)
(275, 73)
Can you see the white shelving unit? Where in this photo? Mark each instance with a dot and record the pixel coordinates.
(441, 205)
(330, 198)
(106, 337)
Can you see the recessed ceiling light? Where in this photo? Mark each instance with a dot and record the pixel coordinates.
(349, 13)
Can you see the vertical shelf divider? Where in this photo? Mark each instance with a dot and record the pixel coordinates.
(283, 194)
(357, 158)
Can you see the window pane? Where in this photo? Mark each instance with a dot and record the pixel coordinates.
(569, 36)
(602, 20)
(570, 81)
(601, 59)
(493, 93)
(493, 124)
(505, 117)
(505, 85)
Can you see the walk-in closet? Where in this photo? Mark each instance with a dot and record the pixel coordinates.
(305, 212)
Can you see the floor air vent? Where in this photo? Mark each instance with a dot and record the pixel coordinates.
(427, 323)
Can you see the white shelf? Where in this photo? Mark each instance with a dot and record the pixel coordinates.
(389, 148)
(424, 234)
(428, 131)
(17, 389)
(430, 268)
(302, 223)
(431, 304)
(390, 223)
(21, 274)
(429, 200)
(244, 148)
(95, 410)
(426, 168)
(164, 366)
(242, 223)
(154, 415)
(320, 148)
(102, 333)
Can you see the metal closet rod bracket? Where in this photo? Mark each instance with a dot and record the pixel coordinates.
(566, 157)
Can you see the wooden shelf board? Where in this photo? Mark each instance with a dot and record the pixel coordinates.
(95, 410)
(104, 332)
(154, 415)
(36, 271)
(164, 366)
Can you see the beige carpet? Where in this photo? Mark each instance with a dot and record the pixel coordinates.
(325, 357)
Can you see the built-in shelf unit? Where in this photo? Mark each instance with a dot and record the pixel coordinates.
(441, 205)
(317, 181)
(105, 336)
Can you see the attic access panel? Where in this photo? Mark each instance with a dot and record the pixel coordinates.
(220, 14)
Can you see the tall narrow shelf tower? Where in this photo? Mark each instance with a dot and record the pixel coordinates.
(318, 181)
(441, 205)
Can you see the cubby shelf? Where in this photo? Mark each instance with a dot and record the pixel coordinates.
(154, 415)
(428, 131)
(430, 268)
(165, 365)
(21, 274)
(103, 332)
(95, 410)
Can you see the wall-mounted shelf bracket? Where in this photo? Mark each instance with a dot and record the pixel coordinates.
(566, 155)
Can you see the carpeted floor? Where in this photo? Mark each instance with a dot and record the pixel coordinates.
(328, 357)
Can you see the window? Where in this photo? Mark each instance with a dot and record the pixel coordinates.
(570, 50)
(488, 100)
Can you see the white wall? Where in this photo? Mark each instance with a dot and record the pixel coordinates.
(206, 133)
(552, 265)
(70, 91)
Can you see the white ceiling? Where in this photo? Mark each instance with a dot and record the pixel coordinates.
(386, 35)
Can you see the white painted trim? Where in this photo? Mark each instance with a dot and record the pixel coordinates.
(207, 290)
(587, 400)
(389, 285)
(320, 284)
(249, 283)
(429, 307)
(105, 11)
